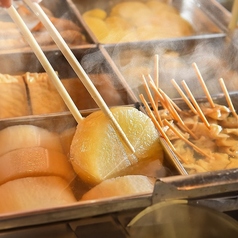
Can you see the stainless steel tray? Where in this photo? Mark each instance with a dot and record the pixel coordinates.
(99, 71)
(217, 190)
(208, 18)
(219, 99)
(60, 9)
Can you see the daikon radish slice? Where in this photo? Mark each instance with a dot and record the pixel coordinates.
(23, 136)
(97, 151)
(34, 161)
(121, 186)
(34, 193)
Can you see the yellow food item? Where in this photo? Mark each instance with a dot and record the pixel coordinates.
(121, 186)
(32, 162)
(44, 97)
(34, 193)
(130, 10)
(161, 7)
(13, 97)
(118, 23)
(97, 152)
(97, 26)
(23, 136)
(137, 21)
(97, 12)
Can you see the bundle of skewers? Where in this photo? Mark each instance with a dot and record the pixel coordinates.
(203, 137)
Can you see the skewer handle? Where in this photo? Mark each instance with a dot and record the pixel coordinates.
(78, 69)
(234, 16)
(44, 62)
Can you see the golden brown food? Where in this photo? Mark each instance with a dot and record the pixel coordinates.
(103, 83)
(11, 38)
(97, 152)
(219, 142)
(13, 97)
(44, 97)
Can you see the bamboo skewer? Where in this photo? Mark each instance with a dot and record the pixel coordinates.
(170, 100)
(156, 71)
(155, 108)
(187, 141)
(204, 87)
(167, 103)
(45, 63)
(184, 97)
(157, 125)
(234, 16)
(158, 91)
(72, 60)
(156, 76)
(200, 113)
(177, 117)
(228, 99)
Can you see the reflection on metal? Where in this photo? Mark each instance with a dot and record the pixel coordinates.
(213, 189)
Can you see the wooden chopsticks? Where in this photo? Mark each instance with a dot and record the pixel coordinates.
(72, 61)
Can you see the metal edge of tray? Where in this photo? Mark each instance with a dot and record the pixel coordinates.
(210, 186)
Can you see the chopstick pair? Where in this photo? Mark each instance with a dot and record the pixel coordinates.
(64, 48)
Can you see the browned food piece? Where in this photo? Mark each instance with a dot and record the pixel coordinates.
(34, 161)
(33, 193)
(11, 38)
(71, 37)
(13, 96)
(44, 97)
(105, 87)
(61, 24)
(130, 185)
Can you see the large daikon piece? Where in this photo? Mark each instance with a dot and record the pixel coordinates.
(98, 153)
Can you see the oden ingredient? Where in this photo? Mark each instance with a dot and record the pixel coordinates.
(121, 186)
(34, 193)
(32, 162)
(34, 171)
(97, 152)
(137, 21)
(23, 136)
